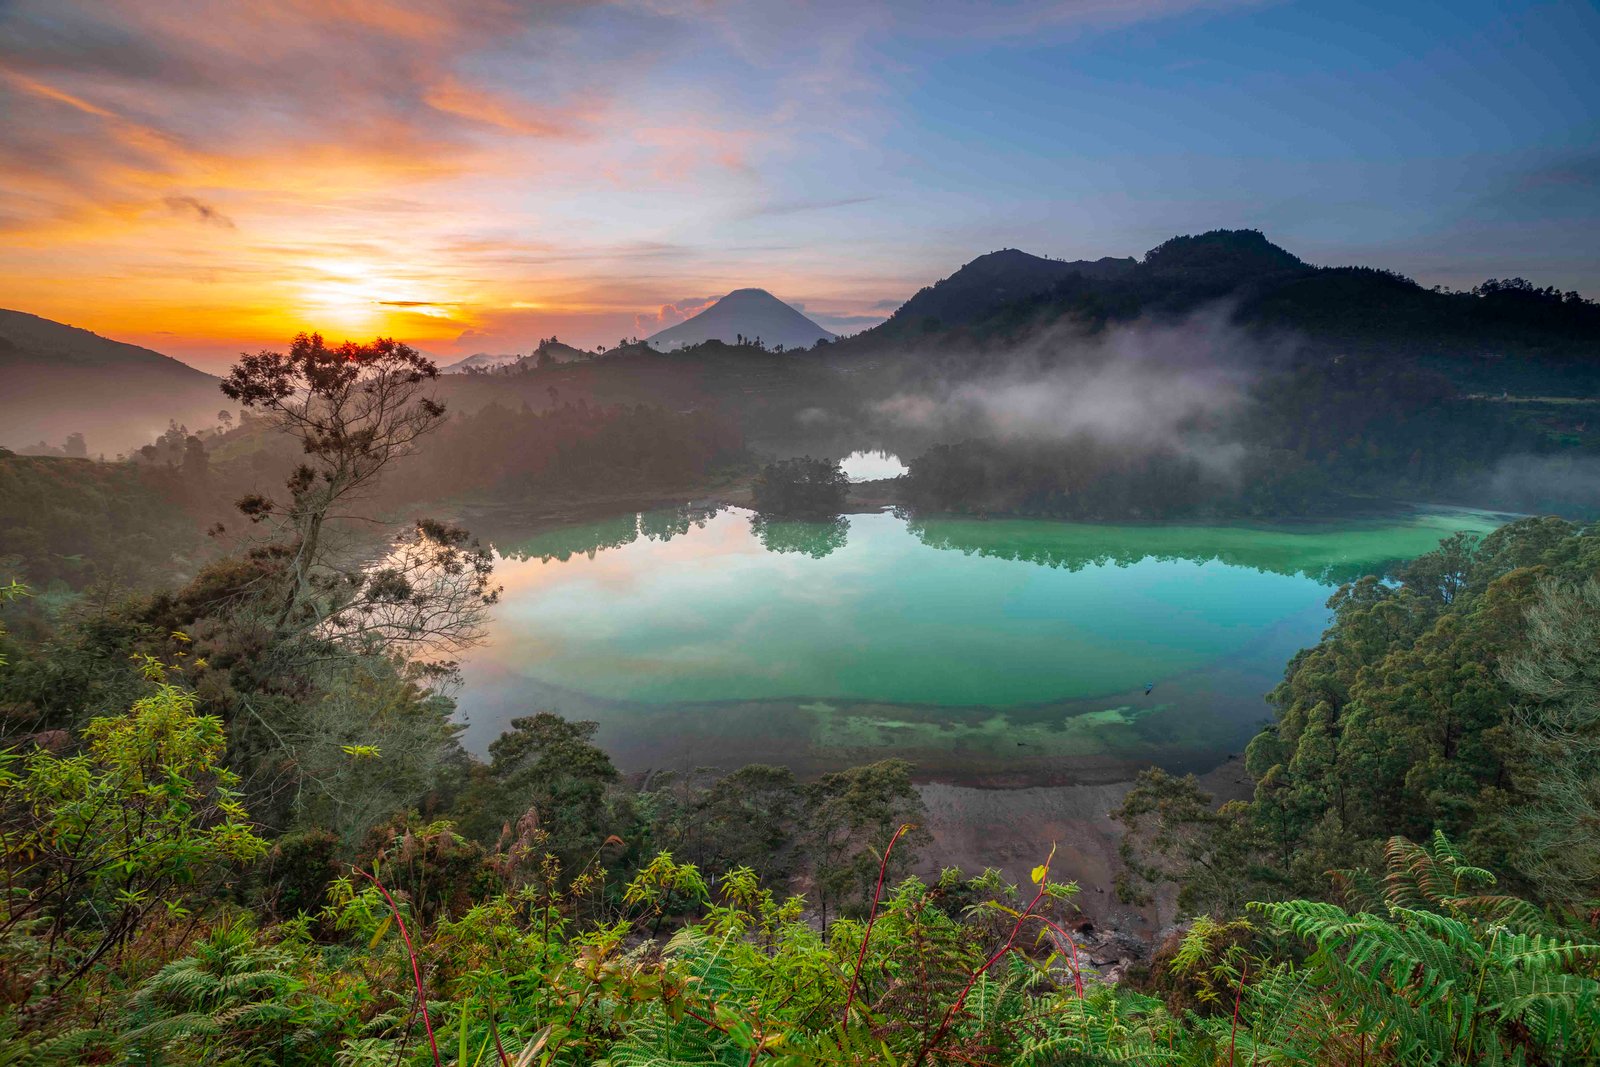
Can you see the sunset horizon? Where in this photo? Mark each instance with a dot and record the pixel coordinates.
(207, 180)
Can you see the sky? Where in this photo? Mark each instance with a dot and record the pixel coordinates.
(208, 178)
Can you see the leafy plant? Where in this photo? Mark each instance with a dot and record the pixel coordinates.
(142, 825)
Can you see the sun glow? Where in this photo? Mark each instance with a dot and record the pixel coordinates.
(362, 296)
(214, 205)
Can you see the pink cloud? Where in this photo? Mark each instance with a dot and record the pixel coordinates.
(669, 314)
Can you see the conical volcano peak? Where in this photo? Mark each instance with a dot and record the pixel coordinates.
(745, 314)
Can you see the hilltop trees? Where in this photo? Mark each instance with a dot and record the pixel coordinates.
(548, 773)
(850, 817)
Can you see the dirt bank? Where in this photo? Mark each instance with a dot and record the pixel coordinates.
(1013, 829)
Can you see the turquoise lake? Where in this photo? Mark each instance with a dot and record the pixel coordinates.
(999, 652)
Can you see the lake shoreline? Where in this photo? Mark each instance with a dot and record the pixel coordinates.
(879, 496)
(1013, 829)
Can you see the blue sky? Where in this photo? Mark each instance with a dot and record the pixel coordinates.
(477, 176)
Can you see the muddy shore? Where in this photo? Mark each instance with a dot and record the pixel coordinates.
(1012, 830)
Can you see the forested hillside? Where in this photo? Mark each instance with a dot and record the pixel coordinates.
(1461, 700)
(1504, 334)
(73, 520)
(61, 380)
(986, 284)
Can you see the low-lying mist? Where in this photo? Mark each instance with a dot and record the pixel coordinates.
(1145, 386)
(1566, 485)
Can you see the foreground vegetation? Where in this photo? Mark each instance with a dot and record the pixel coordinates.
(133, 934)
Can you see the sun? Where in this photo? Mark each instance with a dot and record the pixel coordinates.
(361, 296)
(342, 294)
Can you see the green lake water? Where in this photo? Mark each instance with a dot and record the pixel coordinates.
(992, 651)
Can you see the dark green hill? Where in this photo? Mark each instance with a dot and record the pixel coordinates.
(1220, 258)
(986, 284)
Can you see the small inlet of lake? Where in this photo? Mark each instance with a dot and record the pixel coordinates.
(1001, 652)
(872, 466)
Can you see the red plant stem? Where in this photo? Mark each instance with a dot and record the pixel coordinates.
(416, 968)
(696, 1016)
(1239, 996)
(1077, 976)
(703, 1021)
(872, 917)
(950, 1015)
(494, 1032)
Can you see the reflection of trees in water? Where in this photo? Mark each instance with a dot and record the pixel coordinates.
(592, 537)
(814, 539)
(666, 524)
(1121, 547)
(1066, 555)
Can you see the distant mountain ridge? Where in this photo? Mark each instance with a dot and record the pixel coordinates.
(1502, 334)
(57, 379)
(549, 350)
(989, 282)
(479, 361)
(748, 313)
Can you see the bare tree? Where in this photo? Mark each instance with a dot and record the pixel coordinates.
(356, 409)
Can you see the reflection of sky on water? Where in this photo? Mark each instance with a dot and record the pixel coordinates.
(871, 466)
(963, 615)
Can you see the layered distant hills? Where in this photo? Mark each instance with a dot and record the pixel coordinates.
(750, 314)
(1504, 335)
(479, 361)
(57, 380)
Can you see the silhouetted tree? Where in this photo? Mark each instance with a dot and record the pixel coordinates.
(356, 409)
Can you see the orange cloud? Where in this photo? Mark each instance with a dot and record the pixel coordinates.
(38, 88)
(453, 97)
